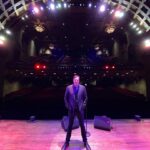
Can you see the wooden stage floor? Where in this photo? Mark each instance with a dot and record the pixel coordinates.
(48, 135)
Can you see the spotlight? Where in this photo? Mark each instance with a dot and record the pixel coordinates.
(135, 25)
(65, 5)
(106, 67)
(140, 32)
(99, 53)
(51, 46)
(44, 67)
(111, 11)
(59, 5)
(147, 43)
(41, 8)
(52, 6)
(1, 42)
(113, 67)
(22, 18)
(102, 8)
(8, 32)
(137, 29)
(131, 24)
(35, 10)
(90, 5)
(26, 16)
(110, 28)
(2, 38)
(119, 14)
(37, 66)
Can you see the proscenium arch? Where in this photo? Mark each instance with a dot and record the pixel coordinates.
(138, 8)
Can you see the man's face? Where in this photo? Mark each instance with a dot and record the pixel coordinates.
(76, 81)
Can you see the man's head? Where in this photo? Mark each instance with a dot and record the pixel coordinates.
(76, 80)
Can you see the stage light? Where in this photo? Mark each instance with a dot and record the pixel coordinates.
(26, 16)
(37, 66)
(102, 8)
(99, 53)
(97, 47)
(59, 5)
(131, 24)
(111, 11)
(147, 43)
(113, 67)
(106, 67)
(137, 29)
(44, 66)
(52, 6)
(134, 26)
(119, 14)
(140, 32)
(22, 18)
(36, 10)
(2, 38)
(41, 8)
(65, 5)
(48, 52)
(1, 42)
(51, 46)
(8, 32)
(90, 5)
(110, 28)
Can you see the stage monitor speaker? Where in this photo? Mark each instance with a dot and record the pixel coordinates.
(65, 123)
(102, 122)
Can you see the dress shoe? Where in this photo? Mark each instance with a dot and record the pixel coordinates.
(65, 146)
(87, 146)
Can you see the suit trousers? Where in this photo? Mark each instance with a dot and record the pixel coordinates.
(80, 116)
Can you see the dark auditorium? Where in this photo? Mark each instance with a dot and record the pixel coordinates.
(74, 74)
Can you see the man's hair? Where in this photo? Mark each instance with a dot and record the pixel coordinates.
(76, 76)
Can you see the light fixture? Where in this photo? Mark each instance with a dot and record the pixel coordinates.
(36, 10)
(102, 8)
(140, 32)
(147, 43)
(97, 47)
(99, 52)
(110, 28)
(26, 16)
(1, 42)
(90, 5)
(41, 8)
(39, 26)
(52, 6)
(2, 38)
(135, 25)
(119, 14)
(51, 46)
(8, 32)
(22, 18)
(131, 24)
(65, 5)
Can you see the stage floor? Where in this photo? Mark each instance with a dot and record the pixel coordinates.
(48, 135)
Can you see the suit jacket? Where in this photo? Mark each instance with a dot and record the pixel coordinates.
(69, 97)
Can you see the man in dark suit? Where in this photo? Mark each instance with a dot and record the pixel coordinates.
(75, 101)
